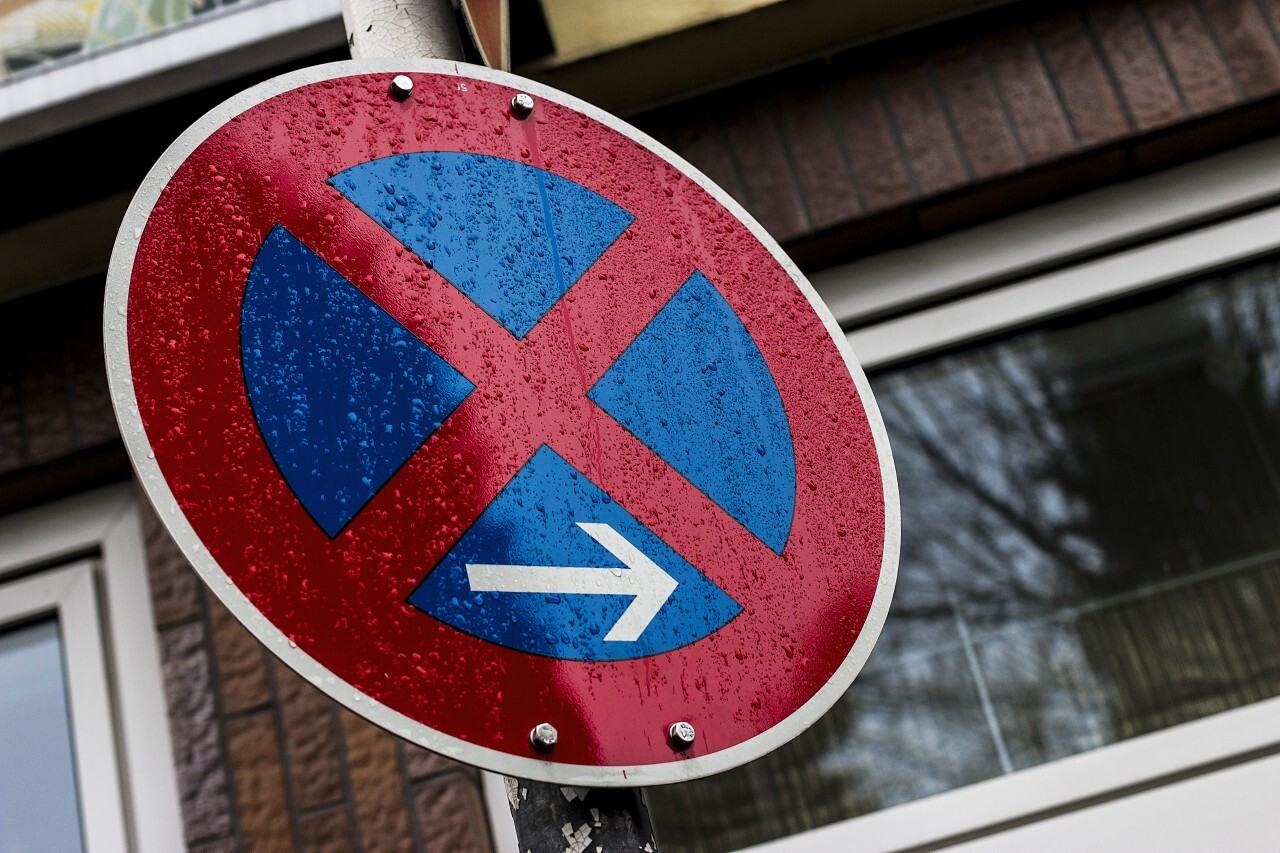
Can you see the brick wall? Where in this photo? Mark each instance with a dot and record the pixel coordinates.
(886, 144)
(57, 430)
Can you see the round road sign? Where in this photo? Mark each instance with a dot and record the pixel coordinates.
(486, 412)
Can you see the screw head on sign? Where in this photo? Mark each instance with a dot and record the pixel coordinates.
(543, 737)
(682, 735)
(522, 105)
(401, 87)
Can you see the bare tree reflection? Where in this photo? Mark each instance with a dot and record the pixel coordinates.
(1091, 550)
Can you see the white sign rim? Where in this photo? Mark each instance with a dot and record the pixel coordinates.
(124, 399)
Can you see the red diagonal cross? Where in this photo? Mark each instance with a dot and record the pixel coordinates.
(533, 391)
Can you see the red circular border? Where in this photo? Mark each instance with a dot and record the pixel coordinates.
(343, 601)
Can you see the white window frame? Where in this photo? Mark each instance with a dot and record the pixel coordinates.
(79, 89)
(67, 594)
(1184, 223)
(1054, 236)
(83, 559)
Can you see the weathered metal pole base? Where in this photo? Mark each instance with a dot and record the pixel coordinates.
(553, 819)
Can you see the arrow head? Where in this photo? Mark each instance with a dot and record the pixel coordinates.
(653, 585)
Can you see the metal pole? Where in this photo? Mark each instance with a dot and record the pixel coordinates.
(548, 818)
(551, 819)
(404, 29)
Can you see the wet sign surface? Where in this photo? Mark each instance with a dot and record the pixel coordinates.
(483, 421)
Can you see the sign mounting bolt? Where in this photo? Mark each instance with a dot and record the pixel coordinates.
(543, 737)
(401, 87)
(522, 105)
(681, 735)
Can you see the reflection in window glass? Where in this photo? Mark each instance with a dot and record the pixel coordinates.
(39, 808)
(1091, 551)
(35, 31)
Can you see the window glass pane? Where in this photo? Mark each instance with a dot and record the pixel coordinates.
(33, 32)
(38, 803)
(1091, 551)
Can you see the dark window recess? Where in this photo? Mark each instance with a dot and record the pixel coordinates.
(1091, 551)
(530, 35)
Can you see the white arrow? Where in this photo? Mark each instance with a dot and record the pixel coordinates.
(643, 578)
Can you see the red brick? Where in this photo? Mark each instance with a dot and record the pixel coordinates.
(91, 411)
(259, 784)
(868, 140)
(175, 587)
(203, 785)
(311, 741)
(1271, 11)
(1037, 115)
(930, 146)
(44, 393)
(820, 163)
(1144, 83)
(225, 845)
(701, 141)
(1205, 81)
(770, 190)
(13, 452)
(377, 785)
(1248, 44)
(451, 816)
(979, 117)
(1088, 96)
(420, 763)
(241, 668)
(327, 832)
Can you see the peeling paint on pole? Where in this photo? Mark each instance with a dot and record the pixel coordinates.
(614, 819)
(404, 29)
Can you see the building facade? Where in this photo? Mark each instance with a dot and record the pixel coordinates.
(1050, 231)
